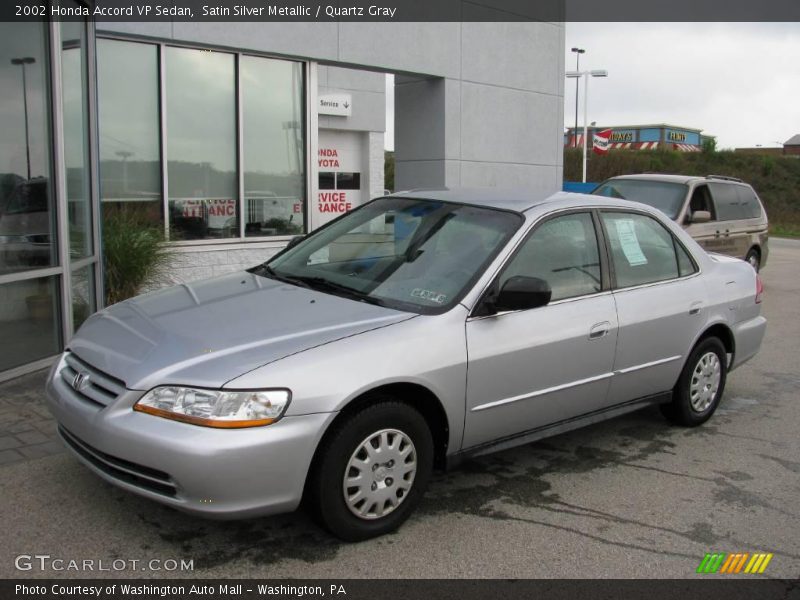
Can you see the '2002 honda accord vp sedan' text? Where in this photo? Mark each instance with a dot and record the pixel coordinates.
(416, 330)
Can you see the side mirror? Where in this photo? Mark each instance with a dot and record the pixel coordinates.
(700, 216)
(294, 241)
(522, 293)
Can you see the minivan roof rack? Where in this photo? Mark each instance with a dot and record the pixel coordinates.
(725, 177)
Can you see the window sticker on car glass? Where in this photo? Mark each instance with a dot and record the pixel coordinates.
(320, 256)
(626, 232)
(429, 295)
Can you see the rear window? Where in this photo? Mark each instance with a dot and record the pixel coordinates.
(668, 197)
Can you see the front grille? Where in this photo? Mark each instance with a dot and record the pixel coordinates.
(131, 473)
(96, 387)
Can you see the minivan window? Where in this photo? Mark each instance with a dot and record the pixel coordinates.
(730, 205)
(642, 250)
(666, 196)
(405, 253)
(751, 207)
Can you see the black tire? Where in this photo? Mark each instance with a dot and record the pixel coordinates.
(754, 258)
(325, 493)
(682, 410)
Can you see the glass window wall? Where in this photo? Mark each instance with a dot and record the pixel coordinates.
(234, 138)
(201, 144)
(273, 140)
(130, 152)
(27, 212)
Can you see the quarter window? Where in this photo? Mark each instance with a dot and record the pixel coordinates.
(562, 251)
(642, 250)
(686, 265)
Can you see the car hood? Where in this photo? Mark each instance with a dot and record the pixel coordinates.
(209, 332)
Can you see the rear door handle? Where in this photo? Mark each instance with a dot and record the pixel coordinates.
(694, 307)
(599, 330)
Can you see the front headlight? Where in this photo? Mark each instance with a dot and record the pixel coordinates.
(215, 408)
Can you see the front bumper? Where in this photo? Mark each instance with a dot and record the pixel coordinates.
(215, 473)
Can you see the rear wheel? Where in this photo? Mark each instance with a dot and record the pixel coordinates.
(371, 471)
(700, 386)
(754, 258)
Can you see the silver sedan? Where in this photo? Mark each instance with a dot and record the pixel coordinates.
(415, 331)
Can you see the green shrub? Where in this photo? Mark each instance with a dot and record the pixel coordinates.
(134, 254)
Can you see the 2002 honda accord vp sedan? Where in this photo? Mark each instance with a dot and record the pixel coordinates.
(416, 330)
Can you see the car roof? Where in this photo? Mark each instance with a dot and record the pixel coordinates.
(685, 179)
(518, 200)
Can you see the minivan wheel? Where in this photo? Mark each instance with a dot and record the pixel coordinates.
(700, 386)
(754, 258)
(371, 471)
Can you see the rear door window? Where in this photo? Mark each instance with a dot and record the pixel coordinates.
(727, 201)
(751, 207)
(642, 250)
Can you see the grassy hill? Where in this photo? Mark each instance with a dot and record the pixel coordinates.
(776, 179)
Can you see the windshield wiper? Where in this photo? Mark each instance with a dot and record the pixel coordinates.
(264, 269)
(322, 284)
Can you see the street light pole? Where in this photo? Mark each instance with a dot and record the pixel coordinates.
(578, 52)
(27, 60)
(585, 75)
(124, 155)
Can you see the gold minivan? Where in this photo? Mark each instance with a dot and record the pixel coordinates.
(724, 214)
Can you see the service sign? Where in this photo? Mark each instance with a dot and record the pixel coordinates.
(339, 105)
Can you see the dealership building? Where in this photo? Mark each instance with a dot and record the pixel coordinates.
(235, 137)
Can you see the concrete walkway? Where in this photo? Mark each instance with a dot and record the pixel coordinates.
(26, 428)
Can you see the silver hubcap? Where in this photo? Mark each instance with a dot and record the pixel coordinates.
(753, 260)
(705, 382)
(379, 474)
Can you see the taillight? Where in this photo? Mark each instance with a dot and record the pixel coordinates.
(759, 289)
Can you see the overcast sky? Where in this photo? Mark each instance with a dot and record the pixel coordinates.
(737, 81)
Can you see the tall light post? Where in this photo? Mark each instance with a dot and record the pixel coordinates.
(585, 75)
(578, 52)
(27, 60)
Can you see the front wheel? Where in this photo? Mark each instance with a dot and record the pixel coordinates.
(371, 471)
(700, 386)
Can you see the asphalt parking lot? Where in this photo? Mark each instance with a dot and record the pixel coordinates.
(632, 497)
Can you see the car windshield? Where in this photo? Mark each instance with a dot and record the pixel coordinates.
(666, 196)
(405, 253)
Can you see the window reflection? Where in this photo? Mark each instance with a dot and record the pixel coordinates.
(273, 140)
(201, 144)
(76, 145)
(83, 295)
(29, 321)
(130, 162)
(27, 217)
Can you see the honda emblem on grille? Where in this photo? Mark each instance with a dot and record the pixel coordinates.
(80, 381)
